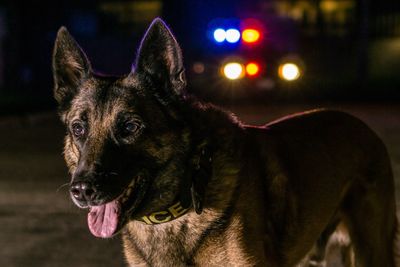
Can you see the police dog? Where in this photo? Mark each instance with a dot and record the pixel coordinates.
(187, 184)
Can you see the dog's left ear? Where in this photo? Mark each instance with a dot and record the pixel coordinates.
(160, 58)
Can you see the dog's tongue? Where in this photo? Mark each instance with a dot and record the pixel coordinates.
(103, 220)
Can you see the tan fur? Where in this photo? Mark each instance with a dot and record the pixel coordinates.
(71, 154)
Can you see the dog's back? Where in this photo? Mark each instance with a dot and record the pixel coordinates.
(330, 168)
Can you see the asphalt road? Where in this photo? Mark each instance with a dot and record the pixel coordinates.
(39, 225)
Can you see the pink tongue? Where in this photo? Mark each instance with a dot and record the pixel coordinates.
(103, 220)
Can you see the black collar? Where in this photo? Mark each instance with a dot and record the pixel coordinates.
(192, 191)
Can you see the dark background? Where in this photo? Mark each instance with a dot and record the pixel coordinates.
(350, 54)
(350, 49)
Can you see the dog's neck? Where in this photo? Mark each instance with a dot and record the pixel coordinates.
(214, 177)
(192, 191)
(155, 243)
(179, 240)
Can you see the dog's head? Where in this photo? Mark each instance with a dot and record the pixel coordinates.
(126, 143)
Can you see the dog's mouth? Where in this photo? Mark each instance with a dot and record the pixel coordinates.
(103, 219)
(107, 219)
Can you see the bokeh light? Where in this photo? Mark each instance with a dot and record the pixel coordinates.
(252, 69)
(233, 70)
(232, 35)
(219, 35)
(250, 35)
(198, 67)
(289, 71)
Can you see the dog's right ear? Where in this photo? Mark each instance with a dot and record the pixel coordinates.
(70, 67)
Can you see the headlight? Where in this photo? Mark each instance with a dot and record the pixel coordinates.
(289, 71)
(233, 70)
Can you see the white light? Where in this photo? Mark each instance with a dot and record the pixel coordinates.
(289, 71)
(233, 71)
(219, 35)
(232, 35)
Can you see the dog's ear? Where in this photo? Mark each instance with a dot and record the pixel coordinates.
(160, 58)
(70, 67)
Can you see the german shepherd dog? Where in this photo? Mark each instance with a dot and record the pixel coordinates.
(187, 184)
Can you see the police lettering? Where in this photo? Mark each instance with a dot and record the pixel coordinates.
(171, 213)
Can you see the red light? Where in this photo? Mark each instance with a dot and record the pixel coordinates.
(252, 69)
(250, 35)
(253, 31)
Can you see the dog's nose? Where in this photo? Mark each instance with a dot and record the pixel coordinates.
(83, 191)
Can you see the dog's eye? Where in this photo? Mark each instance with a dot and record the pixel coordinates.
(78, 129)
(128, 127)
(131, 127)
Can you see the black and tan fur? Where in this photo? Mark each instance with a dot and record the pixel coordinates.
(271, 192)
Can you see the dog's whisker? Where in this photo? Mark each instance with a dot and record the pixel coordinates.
(61, 186)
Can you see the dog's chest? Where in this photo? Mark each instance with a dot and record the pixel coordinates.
(182, 245)
(156, 246)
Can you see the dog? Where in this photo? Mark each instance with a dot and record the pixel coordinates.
(186, 183)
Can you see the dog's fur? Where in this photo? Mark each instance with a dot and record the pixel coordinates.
(261, 196)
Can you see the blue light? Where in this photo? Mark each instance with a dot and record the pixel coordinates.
(219, 35)
(232, 35)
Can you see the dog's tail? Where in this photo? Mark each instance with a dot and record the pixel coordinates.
(396, 244)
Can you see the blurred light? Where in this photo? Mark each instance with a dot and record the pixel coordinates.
(198, 67)
(233, 70)
(289, 71)
(252, 69)
(232, 35)
(219, 35)
(265, 84)
(329, 6)
(250, 35)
